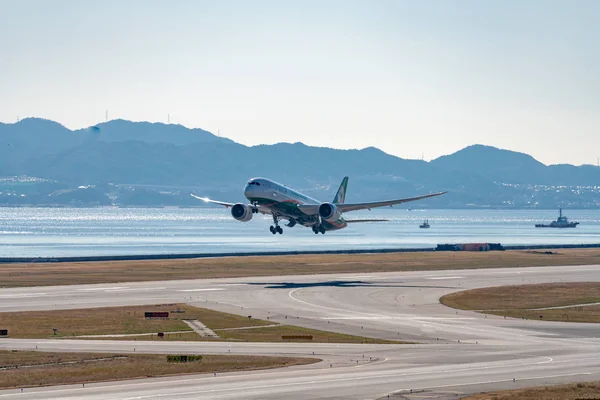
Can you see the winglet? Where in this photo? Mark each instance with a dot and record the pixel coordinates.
(206, 199)
(340, 196)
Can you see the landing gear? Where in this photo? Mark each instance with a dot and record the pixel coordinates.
(254, 208)
(318, 228)
(276, 229)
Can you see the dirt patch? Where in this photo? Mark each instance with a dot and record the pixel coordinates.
(43, 274)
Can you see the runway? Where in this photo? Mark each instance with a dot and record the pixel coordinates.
(459, 352)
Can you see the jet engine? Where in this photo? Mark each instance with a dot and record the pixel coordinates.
(329, 212)
(241, 212)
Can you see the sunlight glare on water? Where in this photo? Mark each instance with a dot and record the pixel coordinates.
(53, 232)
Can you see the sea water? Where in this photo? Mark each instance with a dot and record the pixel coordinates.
(54, 232)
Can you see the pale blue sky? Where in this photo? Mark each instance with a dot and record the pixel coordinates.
(410, 77)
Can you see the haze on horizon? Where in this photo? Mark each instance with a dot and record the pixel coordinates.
(412, 78)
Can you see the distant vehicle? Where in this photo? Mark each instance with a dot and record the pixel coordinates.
(281, 202)
(561, 222)
(425, 224)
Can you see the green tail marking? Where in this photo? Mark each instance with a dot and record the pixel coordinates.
(340, 196)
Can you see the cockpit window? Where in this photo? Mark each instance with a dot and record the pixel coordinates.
(253, 183)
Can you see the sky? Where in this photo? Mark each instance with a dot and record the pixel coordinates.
(417, 79)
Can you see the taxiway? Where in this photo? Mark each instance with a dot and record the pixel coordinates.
(459, 351)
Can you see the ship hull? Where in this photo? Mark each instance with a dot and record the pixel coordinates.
(570, 225)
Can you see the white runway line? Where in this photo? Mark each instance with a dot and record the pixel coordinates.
(200, 290)
(137, 289)
(102, 288)
(446, 277)
(16, 296)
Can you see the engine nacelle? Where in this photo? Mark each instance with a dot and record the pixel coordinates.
(241, 212)
(329, 212)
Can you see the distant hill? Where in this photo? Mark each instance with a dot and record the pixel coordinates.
(120, 130)
(152, 164)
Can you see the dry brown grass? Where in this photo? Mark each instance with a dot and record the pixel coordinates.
(42, 274)
(94, 367)
(523, 300)
(130, 321)
(268, 334)
(574, 391)
(275, 334)
(115, 320)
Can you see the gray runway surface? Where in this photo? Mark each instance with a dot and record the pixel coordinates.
(460, 352)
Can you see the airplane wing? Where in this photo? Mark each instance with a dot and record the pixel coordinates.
(207, 200)
(261, 209)
(309, 209)
(313, 209)
(362, 206)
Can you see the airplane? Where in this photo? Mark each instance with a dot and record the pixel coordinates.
(272, 198)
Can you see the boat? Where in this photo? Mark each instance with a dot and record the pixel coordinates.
(561, 222)
(425, 224)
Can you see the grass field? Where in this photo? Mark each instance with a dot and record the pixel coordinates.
(527, 301)
(44, 274)
(574, 391)
(30, 368)
(130, 321)
(116, 320)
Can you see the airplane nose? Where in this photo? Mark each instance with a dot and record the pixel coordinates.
(247, 190)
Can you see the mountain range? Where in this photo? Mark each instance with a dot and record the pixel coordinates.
(153, 164)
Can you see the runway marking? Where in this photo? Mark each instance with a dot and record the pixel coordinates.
(486, 382)
(290, 294)
(200, 290)
(312, 379)
(138, 289)
(102, 288)
(446, 277)
(13, 296)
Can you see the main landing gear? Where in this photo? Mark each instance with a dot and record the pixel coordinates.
(318, 228)
(276, 229)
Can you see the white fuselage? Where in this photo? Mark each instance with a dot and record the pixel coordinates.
(284, 201)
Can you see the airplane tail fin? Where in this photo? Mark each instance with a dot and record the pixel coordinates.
(340, 196)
